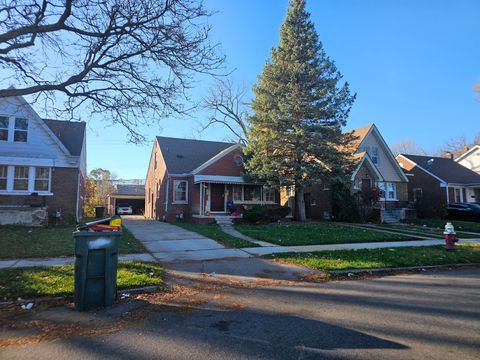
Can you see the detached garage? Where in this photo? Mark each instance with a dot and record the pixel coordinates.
(133, 195)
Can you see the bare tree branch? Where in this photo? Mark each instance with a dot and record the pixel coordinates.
(132, 61)
(227, 104)
(408, 147)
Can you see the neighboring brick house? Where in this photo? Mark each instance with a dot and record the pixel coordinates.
(196, 179)
(376, 166)
(42, 165)
(442, 177)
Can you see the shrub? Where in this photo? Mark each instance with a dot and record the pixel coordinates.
(265, 213)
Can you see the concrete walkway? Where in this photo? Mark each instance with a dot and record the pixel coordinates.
(259, 251)
(167, 242)
(65, 260)
(229, 229)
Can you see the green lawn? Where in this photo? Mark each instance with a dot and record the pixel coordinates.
(58, 280)
(315, 233)
(425, 230)
(213, 231)
(24, 242)
(383, 258)
(440, 224)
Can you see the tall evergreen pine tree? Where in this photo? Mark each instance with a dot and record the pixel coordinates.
(298, 112)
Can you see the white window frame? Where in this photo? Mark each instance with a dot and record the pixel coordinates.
(21, 178)
(241, 192)
(31, 181)
(4, 177)
(15, 130)
(49, 179)
(383, 186)
(175, 185)
(268, 191)
(7, 128)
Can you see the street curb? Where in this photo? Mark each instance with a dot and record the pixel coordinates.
(407, 268)
(54, 299)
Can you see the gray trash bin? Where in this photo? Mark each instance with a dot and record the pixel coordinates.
(96, 259)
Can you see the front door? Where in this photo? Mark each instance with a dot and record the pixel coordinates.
(217, 197)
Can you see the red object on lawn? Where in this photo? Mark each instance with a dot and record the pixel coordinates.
(450, 240)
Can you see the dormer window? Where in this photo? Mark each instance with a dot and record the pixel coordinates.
(20, 130)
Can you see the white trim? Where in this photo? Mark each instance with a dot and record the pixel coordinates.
(219, 179)
(217, 157)
(374, 168)
(425, 170)
(45, 127)
(468, 153)
(175, 182)
(386, 150)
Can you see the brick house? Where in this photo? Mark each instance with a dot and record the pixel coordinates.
(441, 178)
(198, 180)
(376, 166)
(42, 166)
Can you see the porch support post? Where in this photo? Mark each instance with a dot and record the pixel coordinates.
(201, 198)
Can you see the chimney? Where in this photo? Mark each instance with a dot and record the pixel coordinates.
(448, 155)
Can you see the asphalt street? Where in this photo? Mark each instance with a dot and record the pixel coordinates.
(419, 316)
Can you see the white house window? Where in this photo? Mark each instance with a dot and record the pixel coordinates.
(268, 195)
(42, 179)
(3, 128)
(3, 177)
(388, 189)
(21, 130)
(237, 193)
(20, 180)
(372, 151)
(180, 188)
(252, 193)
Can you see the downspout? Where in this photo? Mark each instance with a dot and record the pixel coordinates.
(78, 197)
(166, 194)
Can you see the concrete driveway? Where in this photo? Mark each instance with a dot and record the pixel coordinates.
(167, 242)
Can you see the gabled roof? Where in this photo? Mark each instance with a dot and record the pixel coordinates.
(468, 153)
(363, 157)
(130, 190)
(448, 170)
(182, 156)
(361, 134)
(70, 133)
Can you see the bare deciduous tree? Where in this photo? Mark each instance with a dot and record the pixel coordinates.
(132, 61)
(226, 101)
(458, 145)
(408, 147)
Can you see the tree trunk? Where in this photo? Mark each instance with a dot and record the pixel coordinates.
(300, 213)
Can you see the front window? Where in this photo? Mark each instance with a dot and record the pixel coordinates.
(237, 193)
(42, 178)
(21, 130)
(20, 181)
(458, 195)
(3, 128)
(3, 177)
(180, 189)
(252, 193)
(388, 191)
(269, 195)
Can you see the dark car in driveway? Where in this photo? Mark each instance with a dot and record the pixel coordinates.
(464, 211)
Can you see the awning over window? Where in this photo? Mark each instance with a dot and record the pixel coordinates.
(220, 179)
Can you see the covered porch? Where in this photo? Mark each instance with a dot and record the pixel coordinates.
(229, 195)
(461, 193)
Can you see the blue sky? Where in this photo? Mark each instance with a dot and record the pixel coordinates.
(413, 65)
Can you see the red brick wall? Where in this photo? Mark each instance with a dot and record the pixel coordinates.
(225, 166)
(64, 187)
(155, 176)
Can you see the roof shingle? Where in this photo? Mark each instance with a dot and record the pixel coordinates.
(70, 133)
(446, 169)
(182, 156)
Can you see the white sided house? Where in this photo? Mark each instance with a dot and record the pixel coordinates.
(42, 166)
(470, 159)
